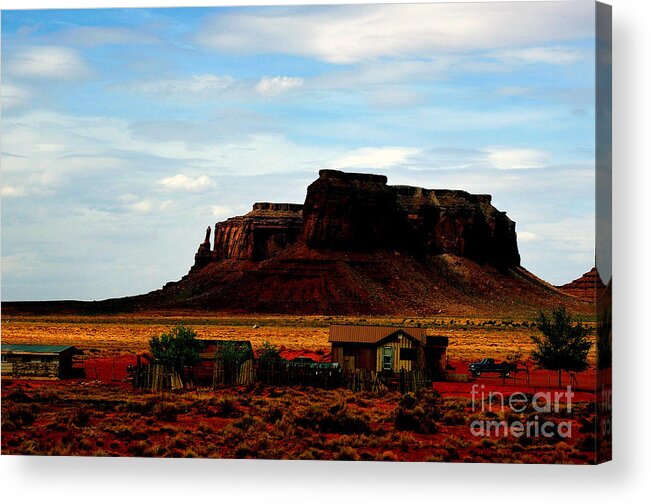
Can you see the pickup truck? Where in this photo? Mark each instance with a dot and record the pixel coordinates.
(488, 365)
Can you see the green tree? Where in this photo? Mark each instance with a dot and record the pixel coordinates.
(177, 349)
(563, 344)
(233, 354)
(269, 354)
(269, 359)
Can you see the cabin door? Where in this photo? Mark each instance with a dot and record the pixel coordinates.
(349, 359)
(387, 358)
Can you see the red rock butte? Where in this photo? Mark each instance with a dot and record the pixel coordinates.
(360, 246)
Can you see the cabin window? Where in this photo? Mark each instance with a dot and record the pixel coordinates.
(408, 354)
(387, 358)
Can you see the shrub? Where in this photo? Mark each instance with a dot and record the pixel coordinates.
(23, 415)
(18, 396)
(166, 412)
(244, 450)
(80, 418)
(338, 419)
(588, 443)
(142, 407)
(419, 412)
(140, 449)
(8, 426)
(454, 418)
(346, 453)
(272, 414)
(227, 407)
(387, 456)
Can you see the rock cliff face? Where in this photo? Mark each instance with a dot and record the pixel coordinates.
(261, 234)
(360, 246)
(360, 213)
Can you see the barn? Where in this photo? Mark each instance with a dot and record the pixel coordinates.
(225, 362)
(41, 362)
(387, 349)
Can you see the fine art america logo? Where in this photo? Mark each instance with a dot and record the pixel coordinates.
(540, 405)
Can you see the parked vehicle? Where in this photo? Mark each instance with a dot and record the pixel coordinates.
(489, 365)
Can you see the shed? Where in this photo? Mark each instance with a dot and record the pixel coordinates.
(225, 362)
(387, 349)
(378, 348)
(41, 362)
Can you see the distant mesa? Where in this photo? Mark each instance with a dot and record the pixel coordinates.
(360, 246)
(361, 213)
(588, 287)
(357, 246)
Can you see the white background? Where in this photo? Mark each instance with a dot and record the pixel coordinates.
(627, 479)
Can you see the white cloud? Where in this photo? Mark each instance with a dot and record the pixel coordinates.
(546, 55)
(271, 86)
(198, 86)
(50, 62)
(526, 236)
(221, 211)
(349, 34)
(14, 97)
(511, 159)
(143, 206)
(11, 191)
(374, 157)
(181, 182)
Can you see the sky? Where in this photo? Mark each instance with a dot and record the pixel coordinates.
(125, 132)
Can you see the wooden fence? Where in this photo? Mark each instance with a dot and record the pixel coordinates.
(233, 373)
(306, 375)
(284, 373)
(156, 377)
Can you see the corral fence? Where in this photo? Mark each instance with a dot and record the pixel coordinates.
(157, 377)
(233, 373)
(325, 375)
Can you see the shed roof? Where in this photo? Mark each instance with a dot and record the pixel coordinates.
(371, 334)
(49, 349)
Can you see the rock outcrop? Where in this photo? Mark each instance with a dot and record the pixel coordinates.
(261, 234)
(361, 213)
(360, 246)
(588, 287)
(357, 247)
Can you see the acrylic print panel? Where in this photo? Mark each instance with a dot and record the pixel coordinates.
(403, 223)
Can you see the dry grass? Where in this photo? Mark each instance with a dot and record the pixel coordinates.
(470, 338)
(309, 424)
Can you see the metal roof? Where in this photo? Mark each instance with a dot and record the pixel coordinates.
(37, 348)
(371, 334)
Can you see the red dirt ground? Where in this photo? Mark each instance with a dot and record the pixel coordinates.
(537, 381)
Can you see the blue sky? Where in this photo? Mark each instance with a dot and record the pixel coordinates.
(127, 131)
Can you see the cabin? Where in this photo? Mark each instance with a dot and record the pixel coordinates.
(224, 362)
(387, 349)
(41, 362)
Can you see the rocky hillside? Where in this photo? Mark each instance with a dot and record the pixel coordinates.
(588, 287)
(357, 246)
(360, 246)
